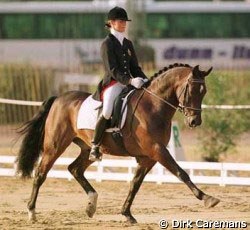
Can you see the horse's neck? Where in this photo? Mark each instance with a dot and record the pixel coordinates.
(164, 88)
(160, 93)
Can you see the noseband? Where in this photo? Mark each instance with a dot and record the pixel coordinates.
(181, 107)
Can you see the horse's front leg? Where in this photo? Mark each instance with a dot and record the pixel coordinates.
(162, 155)
(144, 166)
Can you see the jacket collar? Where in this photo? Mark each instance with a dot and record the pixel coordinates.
(111, 36)
(120, 36)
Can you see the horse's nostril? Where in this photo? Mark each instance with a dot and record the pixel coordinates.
(193, 123)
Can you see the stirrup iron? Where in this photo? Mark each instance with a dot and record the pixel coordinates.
(94, 154)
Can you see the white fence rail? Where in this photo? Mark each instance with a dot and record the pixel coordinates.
(122, 170)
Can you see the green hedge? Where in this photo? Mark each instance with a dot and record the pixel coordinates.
(221, 128)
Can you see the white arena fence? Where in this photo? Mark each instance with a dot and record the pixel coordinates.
(122, 170)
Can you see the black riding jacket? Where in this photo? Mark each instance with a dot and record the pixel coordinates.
(120, 62)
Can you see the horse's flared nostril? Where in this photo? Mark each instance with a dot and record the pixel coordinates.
(193, 123)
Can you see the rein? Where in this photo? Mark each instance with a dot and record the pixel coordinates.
(166, 102)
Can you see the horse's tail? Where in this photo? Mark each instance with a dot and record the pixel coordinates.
(32, 143)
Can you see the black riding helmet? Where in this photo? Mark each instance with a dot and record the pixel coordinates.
(117, 13)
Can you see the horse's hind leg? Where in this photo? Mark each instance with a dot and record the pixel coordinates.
(162, 155)
(49, 156)
(77, 169)
(144, 166)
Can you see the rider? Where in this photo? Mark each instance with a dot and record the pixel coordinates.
(121, 69)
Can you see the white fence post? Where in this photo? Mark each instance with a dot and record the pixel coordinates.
(223, 175)
(130, 173)
(99, 172)
(160, 173)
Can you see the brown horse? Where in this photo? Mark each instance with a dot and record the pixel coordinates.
(146, 134)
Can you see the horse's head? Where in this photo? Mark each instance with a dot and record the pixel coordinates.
(190, 94)
(182, 88)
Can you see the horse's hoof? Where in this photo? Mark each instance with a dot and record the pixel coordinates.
(91, 206)
(32, 215)
(211, 201)
(130, 219)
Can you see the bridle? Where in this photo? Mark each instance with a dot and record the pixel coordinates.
(181, 107)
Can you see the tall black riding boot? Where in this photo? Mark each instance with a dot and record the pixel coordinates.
(101, 125)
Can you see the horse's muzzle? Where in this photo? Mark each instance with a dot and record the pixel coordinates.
(193, 121)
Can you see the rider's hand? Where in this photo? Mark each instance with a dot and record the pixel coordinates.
(137, 82)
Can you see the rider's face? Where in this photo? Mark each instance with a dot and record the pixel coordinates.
(119, 25)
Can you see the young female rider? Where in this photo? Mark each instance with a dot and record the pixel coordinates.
(121, 69)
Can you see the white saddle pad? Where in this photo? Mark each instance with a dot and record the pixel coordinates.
(88, 114)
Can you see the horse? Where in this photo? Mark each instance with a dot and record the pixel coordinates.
(146, 134)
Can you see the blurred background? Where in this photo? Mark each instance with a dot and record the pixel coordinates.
(50, 47)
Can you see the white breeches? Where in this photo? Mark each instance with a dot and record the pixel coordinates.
(109, 97)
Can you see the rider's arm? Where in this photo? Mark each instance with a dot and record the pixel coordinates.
(135, 69)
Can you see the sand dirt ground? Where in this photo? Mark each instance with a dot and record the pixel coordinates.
(61, 205)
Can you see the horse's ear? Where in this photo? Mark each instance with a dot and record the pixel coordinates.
(196, 71)
(208, 72)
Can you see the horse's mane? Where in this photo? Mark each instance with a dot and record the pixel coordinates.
(167, 68)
